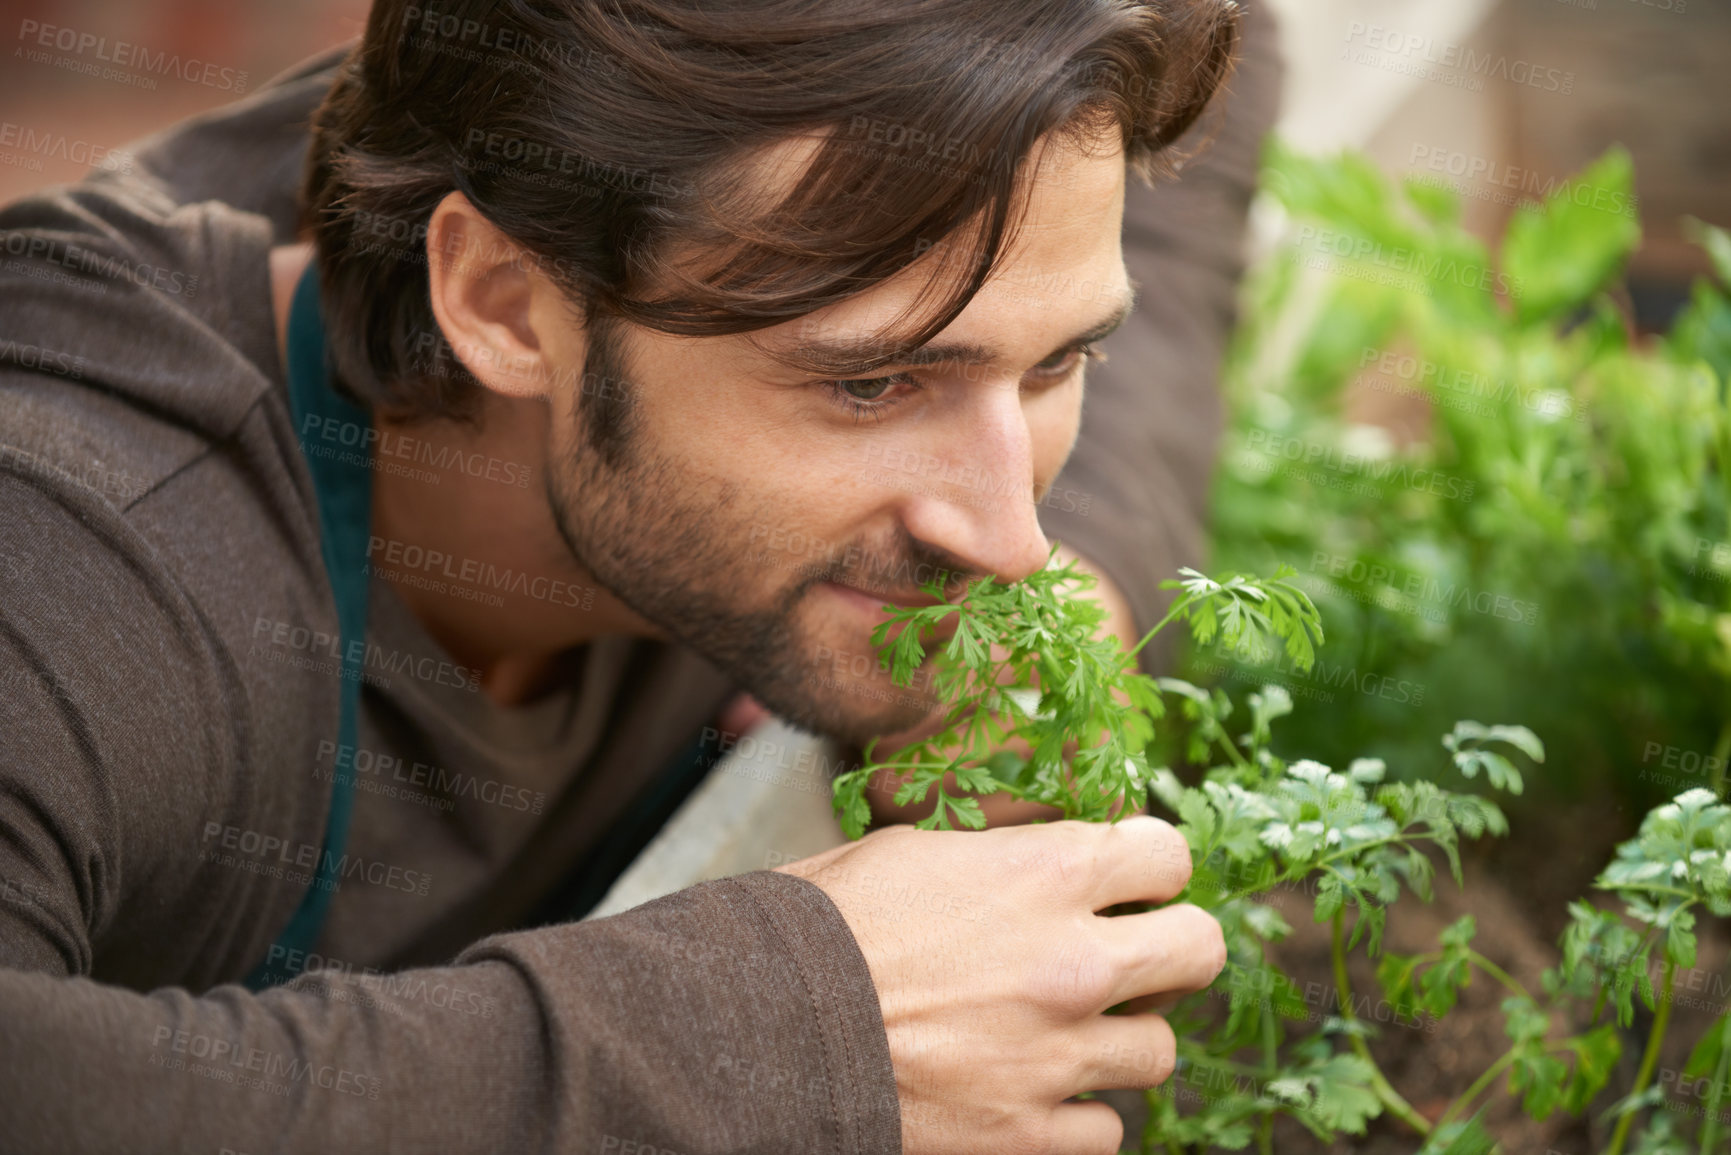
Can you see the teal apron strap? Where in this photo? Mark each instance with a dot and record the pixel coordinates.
(343, 482)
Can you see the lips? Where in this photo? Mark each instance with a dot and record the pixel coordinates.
(903, 600)
(876, 601)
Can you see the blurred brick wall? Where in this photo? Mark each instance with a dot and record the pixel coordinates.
(79, 78)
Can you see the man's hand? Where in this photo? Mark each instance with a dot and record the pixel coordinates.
(992, 971)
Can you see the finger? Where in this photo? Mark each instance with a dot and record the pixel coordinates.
(1133, 1052)
(1171, 951)
(1144, 1004)
(1140, 859)
(1085, 1129)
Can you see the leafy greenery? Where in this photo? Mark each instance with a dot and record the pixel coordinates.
(1554, 545)
(1024, 665)
(1551, 537)
(1025, 635)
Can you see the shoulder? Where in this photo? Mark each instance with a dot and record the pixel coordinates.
(129, 724)
(153, 511)
(249, 154)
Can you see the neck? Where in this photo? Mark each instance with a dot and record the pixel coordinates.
(463, 530)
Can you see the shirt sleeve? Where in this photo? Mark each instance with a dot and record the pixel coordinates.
(737, 1015)
(1132, 499)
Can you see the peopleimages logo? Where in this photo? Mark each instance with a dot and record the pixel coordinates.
(238, 1058)
(1445, 61)
(1526, 182)
(1453, 386)
(1427, 268)
(291, 638)
(104, 266)
(1395, 584)
(89, 47)
(390, 444)
(1268, 449)
(1315, 682)
(468, 571)
(352, 761)
(42, 360)
(48, 145)
(275, 852)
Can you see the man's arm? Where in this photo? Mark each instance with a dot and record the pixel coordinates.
(738, 1015)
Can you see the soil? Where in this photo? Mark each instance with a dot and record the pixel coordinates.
(1518, 892)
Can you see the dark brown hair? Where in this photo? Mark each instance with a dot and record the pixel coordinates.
(606, 136)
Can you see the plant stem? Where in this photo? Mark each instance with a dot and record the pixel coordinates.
(1649, 1059)
(1497, 972)
(1178, 607)
(1720, 749)
(1195, 1054)
(1391, 1098)
(1232, 751)
(1472, 1092)
(1151, 1140)
(1710, 1120)
(1270, 1067)
(1483, 963)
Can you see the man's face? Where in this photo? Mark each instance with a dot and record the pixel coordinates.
(762, 515)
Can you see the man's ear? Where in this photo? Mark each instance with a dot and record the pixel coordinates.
(488, 296)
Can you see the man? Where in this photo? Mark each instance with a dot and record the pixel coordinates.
(598, 356)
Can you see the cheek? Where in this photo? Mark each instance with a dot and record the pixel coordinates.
(1054, 419)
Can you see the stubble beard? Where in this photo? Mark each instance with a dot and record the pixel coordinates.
(627, 516)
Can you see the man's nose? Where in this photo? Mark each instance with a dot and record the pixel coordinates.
(979, 506)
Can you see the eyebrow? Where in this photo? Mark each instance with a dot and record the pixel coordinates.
(869, 352)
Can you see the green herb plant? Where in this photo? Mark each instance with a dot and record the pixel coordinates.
(1025, 662)
(1550, 536)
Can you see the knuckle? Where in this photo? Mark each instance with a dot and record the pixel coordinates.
(1077, 978)
(1065, 858)
(888, 835)
(895, 843)
(1164, 850)
(1030, 1133)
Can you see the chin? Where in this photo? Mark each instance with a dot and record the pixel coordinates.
(851, 722)
(835, 693)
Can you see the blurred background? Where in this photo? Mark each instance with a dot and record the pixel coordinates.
(54, 113)
(1650, 74)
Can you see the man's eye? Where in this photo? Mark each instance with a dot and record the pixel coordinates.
(1060, 364)
(866, 396)
(867, 389)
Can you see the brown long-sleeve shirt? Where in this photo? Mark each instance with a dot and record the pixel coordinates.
(168, 720)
